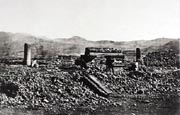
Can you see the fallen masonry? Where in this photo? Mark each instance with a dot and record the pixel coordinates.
(52, 88)
(95, 85)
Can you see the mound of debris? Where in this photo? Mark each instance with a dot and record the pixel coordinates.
(149, 81)
(167, 58)
(53, 88)
(45, 88)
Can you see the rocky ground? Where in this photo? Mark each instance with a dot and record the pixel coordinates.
(54, 89)
(167, 58)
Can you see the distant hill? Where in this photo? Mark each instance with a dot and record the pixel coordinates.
(173, 45)
(12, 45)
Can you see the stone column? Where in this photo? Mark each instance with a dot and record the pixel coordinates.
(138, 54)
(27, 54)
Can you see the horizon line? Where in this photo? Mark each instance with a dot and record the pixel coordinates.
(60, 38)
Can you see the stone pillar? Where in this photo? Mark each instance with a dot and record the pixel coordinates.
(87, 52)
(138, 54)
(27, 54)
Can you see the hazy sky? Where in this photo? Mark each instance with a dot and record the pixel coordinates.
(92, 19)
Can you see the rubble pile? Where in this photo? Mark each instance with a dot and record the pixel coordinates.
(148, 81)
(104, 50)
(50, 87)
(45, 87)
(162, 58)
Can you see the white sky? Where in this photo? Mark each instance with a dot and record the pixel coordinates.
(92, 19)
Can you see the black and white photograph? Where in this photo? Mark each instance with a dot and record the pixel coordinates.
(89, 57)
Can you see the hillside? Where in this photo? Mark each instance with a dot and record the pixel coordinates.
(173, 45)
(11, 45)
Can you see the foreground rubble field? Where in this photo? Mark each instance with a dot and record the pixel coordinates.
(54, 89)
(45, 87)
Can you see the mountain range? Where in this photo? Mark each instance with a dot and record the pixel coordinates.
(12, 45)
